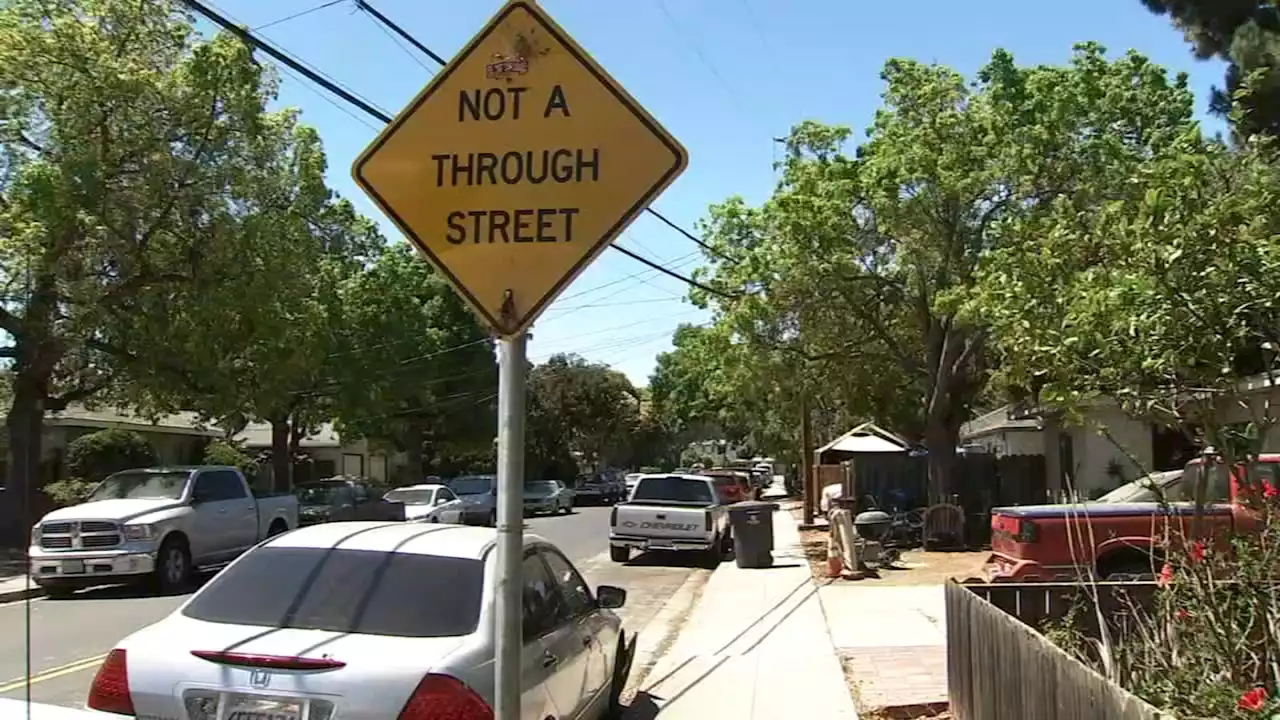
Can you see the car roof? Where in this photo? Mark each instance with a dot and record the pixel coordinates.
(684, 476)
(458, 541)
(424, 486)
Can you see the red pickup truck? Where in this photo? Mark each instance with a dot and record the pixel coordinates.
(1122, 536)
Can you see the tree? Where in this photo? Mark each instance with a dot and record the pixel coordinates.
(1163, 300)
(263, 347)
(1246, 35)
(590, 408)
(858, 266)
(415, 367)
(121, 133)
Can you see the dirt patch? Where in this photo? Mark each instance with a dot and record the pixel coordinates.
(916, 567)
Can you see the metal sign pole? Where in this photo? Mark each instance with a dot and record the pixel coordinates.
(508, 610)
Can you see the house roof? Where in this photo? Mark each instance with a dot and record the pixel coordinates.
(867, 438)
(180, 423)
(998, 420)
(258, 435)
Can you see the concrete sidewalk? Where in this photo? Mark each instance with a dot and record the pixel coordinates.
(755, 648)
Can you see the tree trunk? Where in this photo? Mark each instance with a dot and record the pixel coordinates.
(25, 421)
(281, 458)
(940, 440)
(414, 437)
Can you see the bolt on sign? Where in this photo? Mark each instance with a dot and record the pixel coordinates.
(517, 165)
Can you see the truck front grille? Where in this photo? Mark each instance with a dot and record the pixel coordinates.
(79, 535)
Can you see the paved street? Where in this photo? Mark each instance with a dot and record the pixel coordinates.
(70, 637)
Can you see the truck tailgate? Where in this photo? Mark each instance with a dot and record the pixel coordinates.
(662, 521)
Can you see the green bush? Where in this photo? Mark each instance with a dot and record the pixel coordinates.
(222, 452)
(69, 491)
(92, 457)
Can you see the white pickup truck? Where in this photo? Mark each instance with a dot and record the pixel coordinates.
(156, 524)
(672, 512)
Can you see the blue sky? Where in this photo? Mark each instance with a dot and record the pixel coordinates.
(723, 76)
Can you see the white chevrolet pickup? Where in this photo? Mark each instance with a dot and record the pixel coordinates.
(671, 512)
(156, 524)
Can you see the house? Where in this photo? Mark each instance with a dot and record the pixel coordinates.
(178, 439)
(329, 454)
(1106, 450)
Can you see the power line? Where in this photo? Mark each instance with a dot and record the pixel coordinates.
(399, 31)
(297, 15)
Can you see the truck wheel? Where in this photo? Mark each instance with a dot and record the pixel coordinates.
(277, 528)
(58, 592)
(619, 553)
(173, 567)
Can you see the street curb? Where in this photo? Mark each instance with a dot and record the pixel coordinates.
(655, 638)
(8, 596)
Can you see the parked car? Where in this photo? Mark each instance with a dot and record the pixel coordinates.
(433, 503)
(342, 497)
(596, 490)
(157, 524)
(479, 496)
(367, 620)
(737, 485)
(629, 482)
(672, 512)
(547, 496)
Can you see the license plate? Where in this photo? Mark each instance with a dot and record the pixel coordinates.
(248, 708)
(72, 567)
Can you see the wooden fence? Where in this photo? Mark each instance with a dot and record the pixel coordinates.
(1002, 669)
(980, 483)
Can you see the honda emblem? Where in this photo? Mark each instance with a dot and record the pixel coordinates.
(259, 678)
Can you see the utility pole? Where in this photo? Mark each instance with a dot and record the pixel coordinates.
(508, 605)
(806, 464)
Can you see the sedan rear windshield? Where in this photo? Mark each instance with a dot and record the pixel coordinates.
(674, 489)
(351, 591)
(471, 485)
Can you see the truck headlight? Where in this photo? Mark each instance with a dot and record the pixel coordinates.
(138, 532)
(35, 534)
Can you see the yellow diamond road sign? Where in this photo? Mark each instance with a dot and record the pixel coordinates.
(517, 165)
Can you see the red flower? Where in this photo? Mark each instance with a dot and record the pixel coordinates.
(1166, 575)
(1197, 551)
(1182, 614)
(1269, 490)
(1253, 701)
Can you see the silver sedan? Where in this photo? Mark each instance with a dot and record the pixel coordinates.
(365, 620)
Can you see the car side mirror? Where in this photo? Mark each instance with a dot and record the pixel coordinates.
(610, 597)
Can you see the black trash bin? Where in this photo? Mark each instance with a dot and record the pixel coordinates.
(752, 523)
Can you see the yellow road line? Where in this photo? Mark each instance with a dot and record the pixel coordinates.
(74, 667)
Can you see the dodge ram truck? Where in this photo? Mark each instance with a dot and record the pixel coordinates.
(156, 524)
(672, 512)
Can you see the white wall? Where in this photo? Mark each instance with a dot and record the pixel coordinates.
(1126, 441)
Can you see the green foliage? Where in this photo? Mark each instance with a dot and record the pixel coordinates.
(1157, 297)
(413, 365)
(94, 456)
(852, 278)
(223, 452)
(1246, 35)
(69, 491)
(578, 407)
(128, 142)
